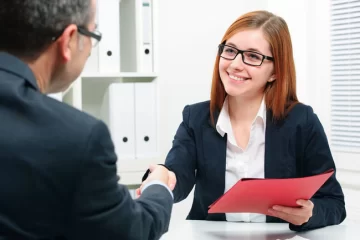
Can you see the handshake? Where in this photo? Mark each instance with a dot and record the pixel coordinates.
(159, 173)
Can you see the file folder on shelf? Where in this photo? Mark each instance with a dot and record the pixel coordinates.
(92, 63)
(109, 46)
(146, 56)
(136, 36)
(118, 111)
(251, 195)
(129, 39)
(145, 120)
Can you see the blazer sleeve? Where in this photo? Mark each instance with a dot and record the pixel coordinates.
(181, 158)
(103, 209)
(329, 205)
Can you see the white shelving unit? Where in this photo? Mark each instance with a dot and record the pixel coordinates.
(87, 92)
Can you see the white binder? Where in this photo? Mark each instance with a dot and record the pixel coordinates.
(118, 111)
(145, 126)
(129, 41)
(146, 51)
(109, 26)
(92, 63)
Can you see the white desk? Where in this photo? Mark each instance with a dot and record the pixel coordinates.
(209, 230)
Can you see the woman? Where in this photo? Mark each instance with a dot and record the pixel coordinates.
(254, 127)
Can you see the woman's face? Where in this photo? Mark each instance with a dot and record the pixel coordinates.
(242, 80)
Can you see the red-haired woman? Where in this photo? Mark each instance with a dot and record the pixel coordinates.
(254, 126)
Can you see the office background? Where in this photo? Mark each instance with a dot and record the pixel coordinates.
(184, 44)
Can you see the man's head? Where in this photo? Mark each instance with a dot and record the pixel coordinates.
(53, 37)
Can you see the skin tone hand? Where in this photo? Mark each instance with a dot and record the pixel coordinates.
(296, 216)
(171, 179)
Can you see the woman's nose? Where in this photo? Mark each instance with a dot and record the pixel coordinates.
(237, 63)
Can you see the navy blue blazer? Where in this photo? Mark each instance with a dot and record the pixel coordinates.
(294, 147)
(58, 171)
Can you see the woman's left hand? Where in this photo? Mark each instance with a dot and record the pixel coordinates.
(296, 216)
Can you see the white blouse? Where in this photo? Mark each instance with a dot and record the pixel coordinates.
(243, 163)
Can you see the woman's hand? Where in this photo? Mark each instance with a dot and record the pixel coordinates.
(294, 215)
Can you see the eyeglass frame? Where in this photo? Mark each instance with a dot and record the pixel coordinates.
(221, 48)
(85, 32)
(88, 33)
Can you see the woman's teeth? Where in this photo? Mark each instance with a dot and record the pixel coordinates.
(237, 78)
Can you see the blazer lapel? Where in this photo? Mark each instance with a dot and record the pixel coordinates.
(273, 149)
(214, 146)
(275, 167)
(214, 150)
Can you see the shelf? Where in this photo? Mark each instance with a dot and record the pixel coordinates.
(119, 75)
(128, 54)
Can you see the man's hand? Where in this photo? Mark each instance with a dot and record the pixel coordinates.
(160, 173)
(296, 216)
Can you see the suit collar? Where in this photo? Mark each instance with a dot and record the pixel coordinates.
(216, 118)
(223, 124)
(270, 121)
(268, 117)
(14, 65)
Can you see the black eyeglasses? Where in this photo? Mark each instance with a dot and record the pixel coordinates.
(249, 57)
(95, 35)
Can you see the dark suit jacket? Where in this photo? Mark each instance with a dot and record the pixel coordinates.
(58, 171)
(294, 147)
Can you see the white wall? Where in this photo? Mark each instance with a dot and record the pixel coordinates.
(189, 34)
(294, 13)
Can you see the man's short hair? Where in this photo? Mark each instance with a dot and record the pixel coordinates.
(27, 27)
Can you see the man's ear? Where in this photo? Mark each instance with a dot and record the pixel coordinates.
(67, 42)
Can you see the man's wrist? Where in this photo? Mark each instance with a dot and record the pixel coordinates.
(156, 182)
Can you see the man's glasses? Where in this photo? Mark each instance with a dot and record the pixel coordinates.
(249, 57)
(95, 36)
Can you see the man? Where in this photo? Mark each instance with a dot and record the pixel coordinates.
(57, 165)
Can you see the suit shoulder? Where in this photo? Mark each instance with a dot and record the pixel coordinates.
(301, 113)
(200, 105)
(199, 108)
(71, 120)
(197, 112)
(301, 108)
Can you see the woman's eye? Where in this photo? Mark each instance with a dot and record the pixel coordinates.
(254, 56)
(229, 50)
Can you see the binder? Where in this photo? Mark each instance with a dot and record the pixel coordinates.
(145, 120)
(129, 35)
(146, 54)
(109, 26)
(118, 112)
(92, 63)
(251, 195)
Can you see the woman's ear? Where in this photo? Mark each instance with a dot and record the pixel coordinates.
(272, 78)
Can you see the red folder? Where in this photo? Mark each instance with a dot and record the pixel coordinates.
(256, 195)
